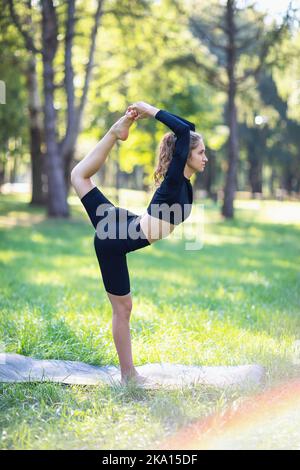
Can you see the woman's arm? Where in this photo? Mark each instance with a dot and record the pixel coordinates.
(145, 110)
(176, 124)
(190, 124)
(174, 175)
(180, 127)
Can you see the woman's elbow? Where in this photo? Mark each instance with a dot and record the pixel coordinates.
(185, 130)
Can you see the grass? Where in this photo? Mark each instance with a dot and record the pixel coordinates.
(235, 301)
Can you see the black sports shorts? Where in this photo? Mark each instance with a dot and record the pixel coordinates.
(118, 232)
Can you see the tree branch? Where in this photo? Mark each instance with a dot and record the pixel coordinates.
(247, 43)
(202, 34)
(69, 139)
(190, 60)
(27, 38)
(126, 13)
(69, 75)
(272, 38)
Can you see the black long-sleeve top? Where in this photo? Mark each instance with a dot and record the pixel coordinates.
(172, 201)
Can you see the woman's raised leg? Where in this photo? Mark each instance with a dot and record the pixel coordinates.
(93, 161)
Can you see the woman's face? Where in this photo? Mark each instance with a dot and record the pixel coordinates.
(197, 157)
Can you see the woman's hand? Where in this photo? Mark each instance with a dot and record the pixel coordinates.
(132, 114)
(142, 109)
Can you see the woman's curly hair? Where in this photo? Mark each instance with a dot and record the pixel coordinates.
(166, 150)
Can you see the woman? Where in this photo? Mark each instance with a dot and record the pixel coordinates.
(181, 154)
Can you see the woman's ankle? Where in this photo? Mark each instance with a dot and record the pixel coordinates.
(120, 129)
(128, 373)
(112, 133)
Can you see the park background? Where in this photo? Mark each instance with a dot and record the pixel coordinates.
(68, 71)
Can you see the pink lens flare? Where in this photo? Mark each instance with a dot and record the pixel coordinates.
(258, 416)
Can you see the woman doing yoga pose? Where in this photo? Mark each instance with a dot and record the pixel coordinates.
(181, 154)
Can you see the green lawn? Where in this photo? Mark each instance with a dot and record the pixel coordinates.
(235, 301)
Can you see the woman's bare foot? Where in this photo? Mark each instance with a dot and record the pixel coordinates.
(136, 379)
(121, 127)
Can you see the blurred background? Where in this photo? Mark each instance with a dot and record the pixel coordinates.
(70, 69)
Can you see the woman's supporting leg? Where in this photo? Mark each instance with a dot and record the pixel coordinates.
(93, 161)
(115, 276)
(121, 309)
(122, 306)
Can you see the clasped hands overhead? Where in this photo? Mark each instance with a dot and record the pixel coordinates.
(139, 110)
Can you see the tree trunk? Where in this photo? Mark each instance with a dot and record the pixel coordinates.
(209, 173)
(38, 189)
(231, 176)
(2, 169)
(288, 179)
(75, 113)
(255, 144)
(273, 177)
(68, 159)
(230, 184)
(39, 194)
(13, 170)
(57, 195)
(255, 175)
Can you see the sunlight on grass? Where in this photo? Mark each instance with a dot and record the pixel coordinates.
(272, 211)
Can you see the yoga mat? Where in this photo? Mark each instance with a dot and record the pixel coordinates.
(18, 368)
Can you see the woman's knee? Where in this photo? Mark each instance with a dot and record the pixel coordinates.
(81, 185)
(122, 305)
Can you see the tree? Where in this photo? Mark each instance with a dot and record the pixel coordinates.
(13, 128)
(58, 21)
(238, 41)
(142, 58)
(287, 147)
(58, 152)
